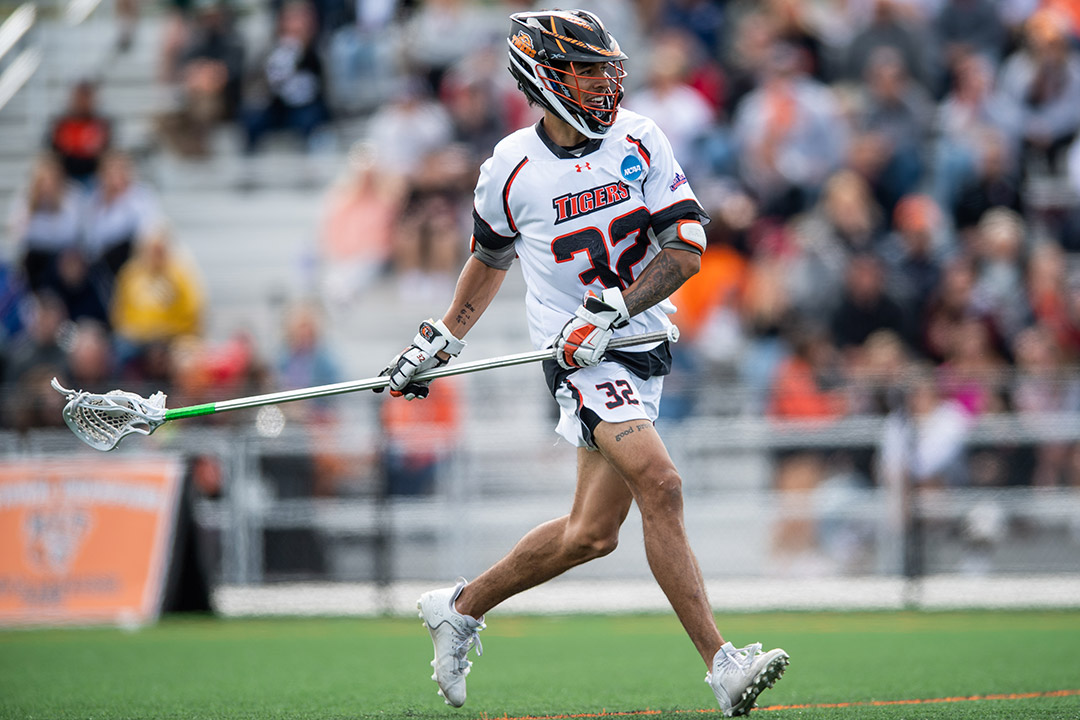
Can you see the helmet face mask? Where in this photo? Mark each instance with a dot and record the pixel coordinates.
(570, 65)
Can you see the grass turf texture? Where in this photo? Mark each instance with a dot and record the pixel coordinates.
(187, 668)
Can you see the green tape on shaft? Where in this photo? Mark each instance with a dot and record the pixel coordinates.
(193, 411)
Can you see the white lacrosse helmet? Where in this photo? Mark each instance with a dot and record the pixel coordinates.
(544, 48)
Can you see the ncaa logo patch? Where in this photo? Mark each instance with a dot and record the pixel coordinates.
(631, 168)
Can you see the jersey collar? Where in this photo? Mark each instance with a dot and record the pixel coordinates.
(559, 151)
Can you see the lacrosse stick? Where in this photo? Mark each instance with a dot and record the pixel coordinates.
(102, 421)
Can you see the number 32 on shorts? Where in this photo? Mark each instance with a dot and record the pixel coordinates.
(620, 392)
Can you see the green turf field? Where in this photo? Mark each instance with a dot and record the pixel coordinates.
(1015, 665)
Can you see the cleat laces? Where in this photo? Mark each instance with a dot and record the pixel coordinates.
(740, 657)
(463, 642)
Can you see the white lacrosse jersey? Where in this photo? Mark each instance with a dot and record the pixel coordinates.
(582, 221)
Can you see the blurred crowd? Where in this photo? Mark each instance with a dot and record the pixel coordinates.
(893, 189)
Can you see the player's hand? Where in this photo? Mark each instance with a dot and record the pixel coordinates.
(584, 339)
(432, 347)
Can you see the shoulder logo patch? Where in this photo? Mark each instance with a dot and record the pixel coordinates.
(631, 168)
(680, 179)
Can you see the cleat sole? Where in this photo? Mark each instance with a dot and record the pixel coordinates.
(762, 682)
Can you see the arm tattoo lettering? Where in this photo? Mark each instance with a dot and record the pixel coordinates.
(661, 277)
(465, 314)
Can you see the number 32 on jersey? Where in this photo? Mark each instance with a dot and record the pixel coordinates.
(628, 239)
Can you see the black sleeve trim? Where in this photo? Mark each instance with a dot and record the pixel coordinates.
(682, 210)
(506, 193)
(641, 147)
(487, 237)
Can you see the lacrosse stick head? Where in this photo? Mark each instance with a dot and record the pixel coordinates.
(102, 421)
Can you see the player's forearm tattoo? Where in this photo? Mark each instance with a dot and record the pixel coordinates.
(465, 315)
(661, 277)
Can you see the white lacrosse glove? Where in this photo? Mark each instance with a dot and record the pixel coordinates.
(585, 337)
(422, 355)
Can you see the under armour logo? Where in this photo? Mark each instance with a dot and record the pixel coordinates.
(587, 166)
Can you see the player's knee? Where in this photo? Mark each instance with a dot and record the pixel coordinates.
(662, 494)
(591, 543)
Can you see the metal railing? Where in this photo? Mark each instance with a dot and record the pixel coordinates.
(268, 521)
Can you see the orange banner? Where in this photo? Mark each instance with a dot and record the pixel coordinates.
(85, 540)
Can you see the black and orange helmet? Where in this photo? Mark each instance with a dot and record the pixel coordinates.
(546, 49)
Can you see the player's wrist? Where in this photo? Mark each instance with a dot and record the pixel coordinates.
(607, 310)
(437, 340)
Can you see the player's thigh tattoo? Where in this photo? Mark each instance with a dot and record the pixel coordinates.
(632, 428)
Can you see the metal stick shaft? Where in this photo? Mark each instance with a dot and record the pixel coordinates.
(349, 386)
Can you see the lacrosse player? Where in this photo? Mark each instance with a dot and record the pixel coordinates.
(594, 205)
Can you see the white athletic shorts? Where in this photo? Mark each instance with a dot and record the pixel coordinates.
(609, 393)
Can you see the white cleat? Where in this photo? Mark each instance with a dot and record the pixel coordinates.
(453, 635)
(739, 675)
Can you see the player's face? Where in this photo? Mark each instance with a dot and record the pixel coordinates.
(591, 84)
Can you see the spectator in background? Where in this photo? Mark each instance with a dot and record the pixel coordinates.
(846, 220)
(795, 26)
(999, 249)
(865, 307)
(118, 211)
(205, 65)
(806, 388)
(950, 305)
(1048, 295)
(974, 375)
(892, 25)
(480, 108)
(705, 19)
(877, 373)
(89, 362)
(708, 309)
(158, 296)
(1043, 79)
(767, 305)
(361, 58)
(425, 251)
(893, 118)
(306, 361)
(418, 438)
(995, 183)
(808, 382)
(45, 220)
(681, 111)
(924, 443)
(753, 35)
(203, 371)
(1045, 385)
(359, 223)
(34, 358)
(290, 89)
(973, 371)
(409, 128)
(971, 116)
(967, 27)
(75, 284)
(81, 134)
(440, 33)
(913, 256)
(790, 136)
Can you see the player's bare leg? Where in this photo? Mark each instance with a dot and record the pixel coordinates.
(635, 450)
(591, 530)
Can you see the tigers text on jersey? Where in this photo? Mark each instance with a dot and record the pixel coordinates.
(580, 222)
